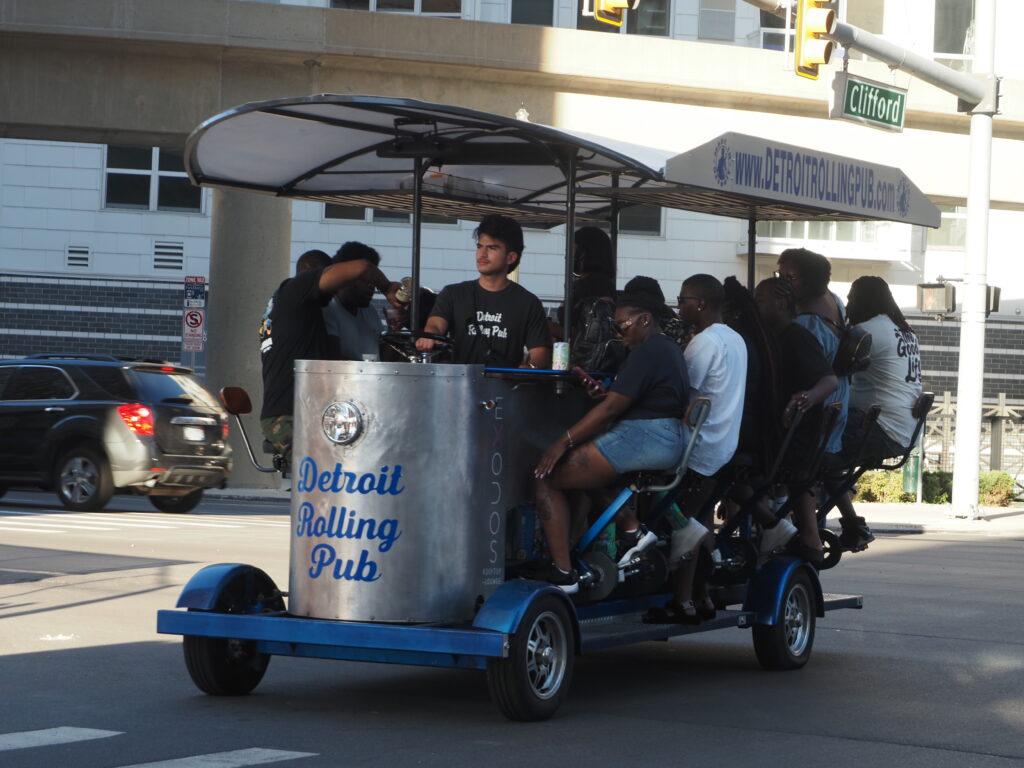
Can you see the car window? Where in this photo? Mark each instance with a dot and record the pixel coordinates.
(158, 387)
(111, 380)
(37, 382)
(5, 376)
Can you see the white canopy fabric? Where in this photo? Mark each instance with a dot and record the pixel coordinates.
(363, 151)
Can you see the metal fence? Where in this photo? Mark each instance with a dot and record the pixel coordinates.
(1002, 436)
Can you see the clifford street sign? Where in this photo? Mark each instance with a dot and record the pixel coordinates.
(868, 102)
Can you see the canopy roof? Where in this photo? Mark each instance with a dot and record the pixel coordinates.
(362, 151)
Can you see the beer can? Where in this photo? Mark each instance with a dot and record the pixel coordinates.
(404, 293)
(560, 357)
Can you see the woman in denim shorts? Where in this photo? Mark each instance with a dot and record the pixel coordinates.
(645, 405)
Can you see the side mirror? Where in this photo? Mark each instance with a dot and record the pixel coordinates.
(236, 400)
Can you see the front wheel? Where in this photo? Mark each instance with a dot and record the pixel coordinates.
(183, 503)
(532, 681)
(787, 643)
(222, 666)
(83, 479)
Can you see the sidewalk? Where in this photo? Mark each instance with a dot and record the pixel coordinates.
(1006, 522)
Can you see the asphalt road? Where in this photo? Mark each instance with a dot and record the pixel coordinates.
(930, 673)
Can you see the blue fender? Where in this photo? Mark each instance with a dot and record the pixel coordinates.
(764, 595)
(504, 609)
(204, 589)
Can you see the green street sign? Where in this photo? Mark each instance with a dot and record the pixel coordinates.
(868, 102)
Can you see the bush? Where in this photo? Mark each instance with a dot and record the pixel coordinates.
(936, 487)
(995, 489)
(886, 487)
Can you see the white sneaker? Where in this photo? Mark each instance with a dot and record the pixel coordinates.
(777, 537)
(684, 540)
(644, 539)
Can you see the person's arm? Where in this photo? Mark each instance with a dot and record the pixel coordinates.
(436, 325)
(539, 357)
(805, 400)
(591, 424)
(332, 278)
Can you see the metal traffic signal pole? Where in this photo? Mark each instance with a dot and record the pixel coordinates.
(979, 95)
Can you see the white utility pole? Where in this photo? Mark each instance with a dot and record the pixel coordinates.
(967, 448)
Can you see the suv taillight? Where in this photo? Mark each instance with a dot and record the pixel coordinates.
(137, 417)
(224, 430)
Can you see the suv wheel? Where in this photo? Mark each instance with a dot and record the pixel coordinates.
(83, 480)
(184, 503)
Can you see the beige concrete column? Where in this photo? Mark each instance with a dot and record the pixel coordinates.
(250, 242)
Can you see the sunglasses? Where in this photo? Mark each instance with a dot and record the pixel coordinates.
(680, 299)
(621, 328)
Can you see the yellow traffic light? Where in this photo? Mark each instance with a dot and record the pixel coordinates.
(813, 20)
(610, 11)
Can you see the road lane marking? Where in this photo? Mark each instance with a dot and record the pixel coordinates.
(44, 738)
(79, 520)
(48, 527)
(238, 758)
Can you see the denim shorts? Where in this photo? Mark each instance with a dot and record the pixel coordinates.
(638, 444)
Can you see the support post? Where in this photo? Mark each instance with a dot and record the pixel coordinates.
(250, 245)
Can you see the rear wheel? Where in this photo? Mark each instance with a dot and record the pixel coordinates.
(83, 480)
(787, 643)
(183, 503)
(532, 681)
(222, 666)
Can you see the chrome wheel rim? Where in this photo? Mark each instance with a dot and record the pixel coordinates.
(79, 479)
(797, 619)
(546, 652)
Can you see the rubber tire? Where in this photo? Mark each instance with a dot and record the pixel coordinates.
(787, 643)
(96, 470)
(179, 504)
(3, 490)
(223, 666)
(509, 679)
(833, 549)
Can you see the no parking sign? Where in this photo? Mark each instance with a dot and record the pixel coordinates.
(193, 320)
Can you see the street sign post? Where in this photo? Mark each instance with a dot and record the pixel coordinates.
(193, 321)
(868, 102)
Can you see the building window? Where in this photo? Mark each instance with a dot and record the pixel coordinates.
(422, 7)
(640, 220)
(773, 32)
(149, 179)
(716, 20)
(952, 234)
(539, 13)
(651, 18)
(355, 213)
(954, 33)
(833, 231)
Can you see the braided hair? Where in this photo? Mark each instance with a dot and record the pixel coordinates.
(872, 297)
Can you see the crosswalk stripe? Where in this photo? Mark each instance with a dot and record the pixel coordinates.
(44, 526)
(34, 530)
(238, 758)
(62, 735)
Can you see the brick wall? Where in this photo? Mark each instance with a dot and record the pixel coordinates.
(133, 318)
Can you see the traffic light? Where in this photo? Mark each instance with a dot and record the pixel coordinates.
(610, 11)
(813, 20)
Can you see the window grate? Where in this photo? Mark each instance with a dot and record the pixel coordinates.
(77, 256)
(168, 255)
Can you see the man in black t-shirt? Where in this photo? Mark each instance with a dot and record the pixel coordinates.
(493, 319)
(294, 329)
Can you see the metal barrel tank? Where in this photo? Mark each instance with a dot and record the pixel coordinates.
(406, 523)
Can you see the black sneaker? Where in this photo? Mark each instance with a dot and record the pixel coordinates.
(856, 534)
(567, 582)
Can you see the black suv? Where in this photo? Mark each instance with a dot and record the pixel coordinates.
(87, 425)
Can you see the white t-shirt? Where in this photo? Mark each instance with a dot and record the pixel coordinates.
(716, 361)
(358, 334)
(893, 380)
